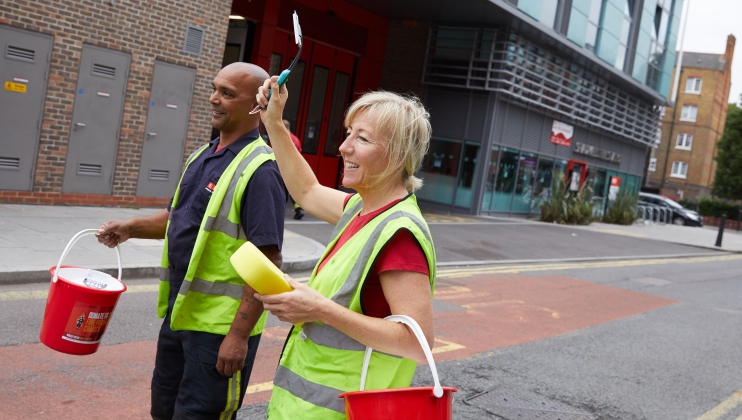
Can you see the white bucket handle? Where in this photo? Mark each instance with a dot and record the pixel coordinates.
(404, 319)
(72, 241)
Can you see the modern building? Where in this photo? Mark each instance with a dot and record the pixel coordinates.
(683, 165)
(104, 100)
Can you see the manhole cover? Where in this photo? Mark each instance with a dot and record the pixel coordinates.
(514, 404)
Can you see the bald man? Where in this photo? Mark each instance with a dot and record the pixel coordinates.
(230, 192)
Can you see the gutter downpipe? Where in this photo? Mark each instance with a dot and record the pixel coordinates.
(675, 85)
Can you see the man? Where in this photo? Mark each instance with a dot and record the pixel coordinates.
(298, 211)
(230, 192)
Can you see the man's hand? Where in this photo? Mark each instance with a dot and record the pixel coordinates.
(113, 233)
(232, 354)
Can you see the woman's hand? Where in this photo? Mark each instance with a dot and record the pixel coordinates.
(303, 304)
(272, 111)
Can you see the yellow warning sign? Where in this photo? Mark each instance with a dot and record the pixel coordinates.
(15, 87)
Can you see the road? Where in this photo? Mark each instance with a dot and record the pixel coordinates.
(619, 339)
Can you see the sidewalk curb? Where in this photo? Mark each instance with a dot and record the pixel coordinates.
(129, 273)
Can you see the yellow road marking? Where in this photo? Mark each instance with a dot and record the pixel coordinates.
(620, 232)
(723, 408)
(510, 269)
(462, 272)
(449, 346)
(265, 386)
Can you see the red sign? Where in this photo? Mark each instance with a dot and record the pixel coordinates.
(561, 133)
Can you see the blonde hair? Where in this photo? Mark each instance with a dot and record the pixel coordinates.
(407, 124)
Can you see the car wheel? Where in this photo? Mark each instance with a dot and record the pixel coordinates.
(678, 221)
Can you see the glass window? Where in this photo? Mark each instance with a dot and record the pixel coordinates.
(689, 113)
(524, 199)
(314, 115)
(693, 85)
(542, 184)
(440, 171)
(275, 65)
(491, 178)
(337, 110)
(291, 110)
(684, 142)
(679, 169)
(652, 164)
(505, 184)
(468, 175)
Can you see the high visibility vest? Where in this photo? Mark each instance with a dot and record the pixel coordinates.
(211, 292)
(319, 362)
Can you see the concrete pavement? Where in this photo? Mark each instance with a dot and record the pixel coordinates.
(33, 237)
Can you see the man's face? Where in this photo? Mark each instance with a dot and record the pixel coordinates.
(231, 100)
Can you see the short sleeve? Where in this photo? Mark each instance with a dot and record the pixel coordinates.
(402, 253)
(264, 206)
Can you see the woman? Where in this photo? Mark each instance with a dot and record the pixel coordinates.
(380, 261)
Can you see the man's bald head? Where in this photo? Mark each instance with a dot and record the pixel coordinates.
(249, 76)
(235, 87)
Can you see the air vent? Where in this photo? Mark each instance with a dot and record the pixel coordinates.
(90, 170)
(159, 175)
(105, 71)
(194, 40)
(9, 162)
(19, 53)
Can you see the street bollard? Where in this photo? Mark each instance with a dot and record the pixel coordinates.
(721, 229)
(739, 217)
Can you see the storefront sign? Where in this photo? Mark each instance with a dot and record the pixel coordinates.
(614, 187)
(597, 152)
(561, 133)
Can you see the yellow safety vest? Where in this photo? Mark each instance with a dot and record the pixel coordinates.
(319, 362)
(211, 292)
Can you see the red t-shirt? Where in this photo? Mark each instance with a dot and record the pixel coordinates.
(402, 253)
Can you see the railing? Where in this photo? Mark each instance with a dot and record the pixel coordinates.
(653, 215)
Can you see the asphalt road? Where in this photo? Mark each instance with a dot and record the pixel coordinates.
(632, 339)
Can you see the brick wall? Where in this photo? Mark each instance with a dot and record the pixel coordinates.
(148, 30)
(706, 131)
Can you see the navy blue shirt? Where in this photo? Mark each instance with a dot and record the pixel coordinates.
(262, 209)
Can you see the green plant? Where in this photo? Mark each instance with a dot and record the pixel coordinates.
(622, 210)
(689, 204)
(564, 207)
(714, 207)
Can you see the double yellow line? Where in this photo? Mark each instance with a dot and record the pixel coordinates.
(510, 269)
(459, 272)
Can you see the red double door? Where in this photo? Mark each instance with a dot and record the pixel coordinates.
(319, 92)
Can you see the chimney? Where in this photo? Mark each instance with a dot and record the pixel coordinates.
(729, 53)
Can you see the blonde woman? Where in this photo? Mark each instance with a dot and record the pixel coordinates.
(380, 260)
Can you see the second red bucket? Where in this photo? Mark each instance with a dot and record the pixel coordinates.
(79, 305)
(414, 403)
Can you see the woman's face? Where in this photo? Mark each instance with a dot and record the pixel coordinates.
(364, 152)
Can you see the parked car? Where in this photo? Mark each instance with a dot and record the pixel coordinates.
(680, 215)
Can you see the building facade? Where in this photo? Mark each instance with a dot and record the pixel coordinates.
(683, 165)
(105, 100)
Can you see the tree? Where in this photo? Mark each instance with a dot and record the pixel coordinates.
(728, 178)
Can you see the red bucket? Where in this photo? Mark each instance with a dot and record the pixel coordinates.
(416, 403)
(79, 305)
(406, 403)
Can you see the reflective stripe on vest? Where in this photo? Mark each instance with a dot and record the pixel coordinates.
(221, 222)
(320, 395)
(328, 336)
